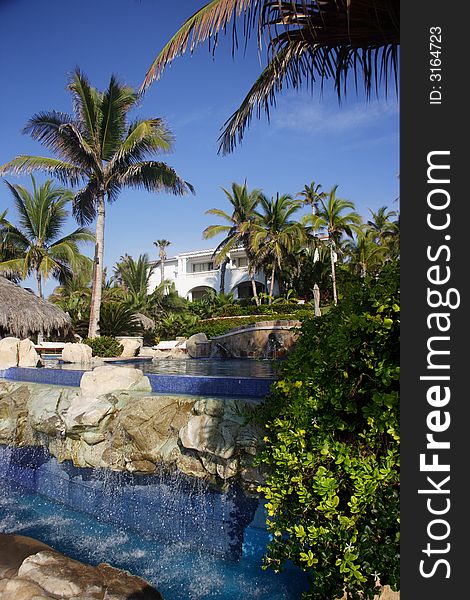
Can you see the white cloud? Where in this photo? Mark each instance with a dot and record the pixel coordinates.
(316, 116)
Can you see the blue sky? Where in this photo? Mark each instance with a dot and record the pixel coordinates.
(308, 138)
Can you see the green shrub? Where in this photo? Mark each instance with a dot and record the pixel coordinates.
(118, 319)
(104, 346)
(332, 446)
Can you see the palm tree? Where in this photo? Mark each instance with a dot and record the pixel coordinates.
(99, 147)
(308, 41)
(35, 245)
(335, 222)
(161, 245)
(384, 230)
(364, 253)
(311, 196)
(276, 235)
(239, 229)
(134, 276)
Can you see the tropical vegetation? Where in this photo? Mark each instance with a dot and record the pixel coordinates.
(332, 451)
(99, 147)
(308, 43)
(36, 245)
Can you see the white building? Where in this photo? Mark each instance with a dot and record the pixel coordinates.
(195, 273)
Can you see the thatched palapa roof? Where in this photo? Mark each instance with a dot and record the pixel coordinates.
(23, 314)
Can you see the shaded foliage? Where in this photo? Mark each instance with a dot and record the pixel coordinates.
(332, 446)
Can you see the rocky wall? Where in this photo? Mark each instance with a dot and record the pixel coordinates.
(114, 421)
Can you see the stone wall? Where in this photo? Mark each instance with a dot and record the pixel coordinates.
(114, 421)
(265, 339)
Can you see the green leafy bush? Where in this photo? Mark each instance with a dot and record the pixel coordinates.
(104, 346)
(332, 446)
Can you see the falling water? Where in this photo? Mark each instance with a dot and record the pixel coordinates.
(189, 540)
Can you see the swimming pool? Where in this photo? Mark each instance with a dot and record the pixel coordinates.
(209, 367)
(190, 541)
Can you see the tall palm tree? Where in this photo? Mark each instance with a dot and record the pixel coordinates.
(99, 147)
(336, 217)
(162, 245)
(307, 41)
(239, 228)
(276, 234)
(35, 245)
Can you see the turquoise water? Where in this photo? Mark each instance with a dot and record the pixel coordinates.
(189, 541)
(202, 366)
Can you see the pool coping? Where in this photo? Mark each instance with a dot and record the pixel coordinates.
(252, 387)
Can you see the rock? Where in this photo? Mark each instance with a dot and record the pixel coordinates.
(147, 351)
(141, 466)
(85, 413)
(208, 434)
(228, 470)
(9, 352)
(153, 422)
(250, 438)
(27, 355)
(14, 424)
(45, 408)
(195, 345)
(190, 465)
(130, 347)
(176, 352)
(30, 570)
(77, 353)
(210, 406)
(103, 380)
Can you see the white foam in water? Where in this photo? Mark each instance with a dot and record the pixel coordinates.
(174, 553)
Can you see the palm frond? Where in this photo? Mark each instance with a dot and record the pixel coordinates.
(84, 203)
(86, 101)
(204, 24)
(115, 104)
(154, 177)
(61, 134)
(64, 171)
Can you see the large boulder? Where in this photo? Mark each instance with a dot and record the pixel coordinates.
(30, 570)
(130, 347)
(153, 422)
(77, 353)
(27, 355)
(14, 427)
(198, 346)
(209, 435)
(9, 352)
(47, 406)
(111, 378)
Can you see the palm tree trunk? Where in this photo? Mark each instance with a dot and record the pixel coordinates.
(39, 280)
(162, 267)
(271, 290)
(93, 330)
(255, 291)
(333, 274)
(223, 270)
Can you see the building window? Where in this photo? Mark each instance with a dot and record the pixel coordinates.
(206, 266)
(242, 261)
